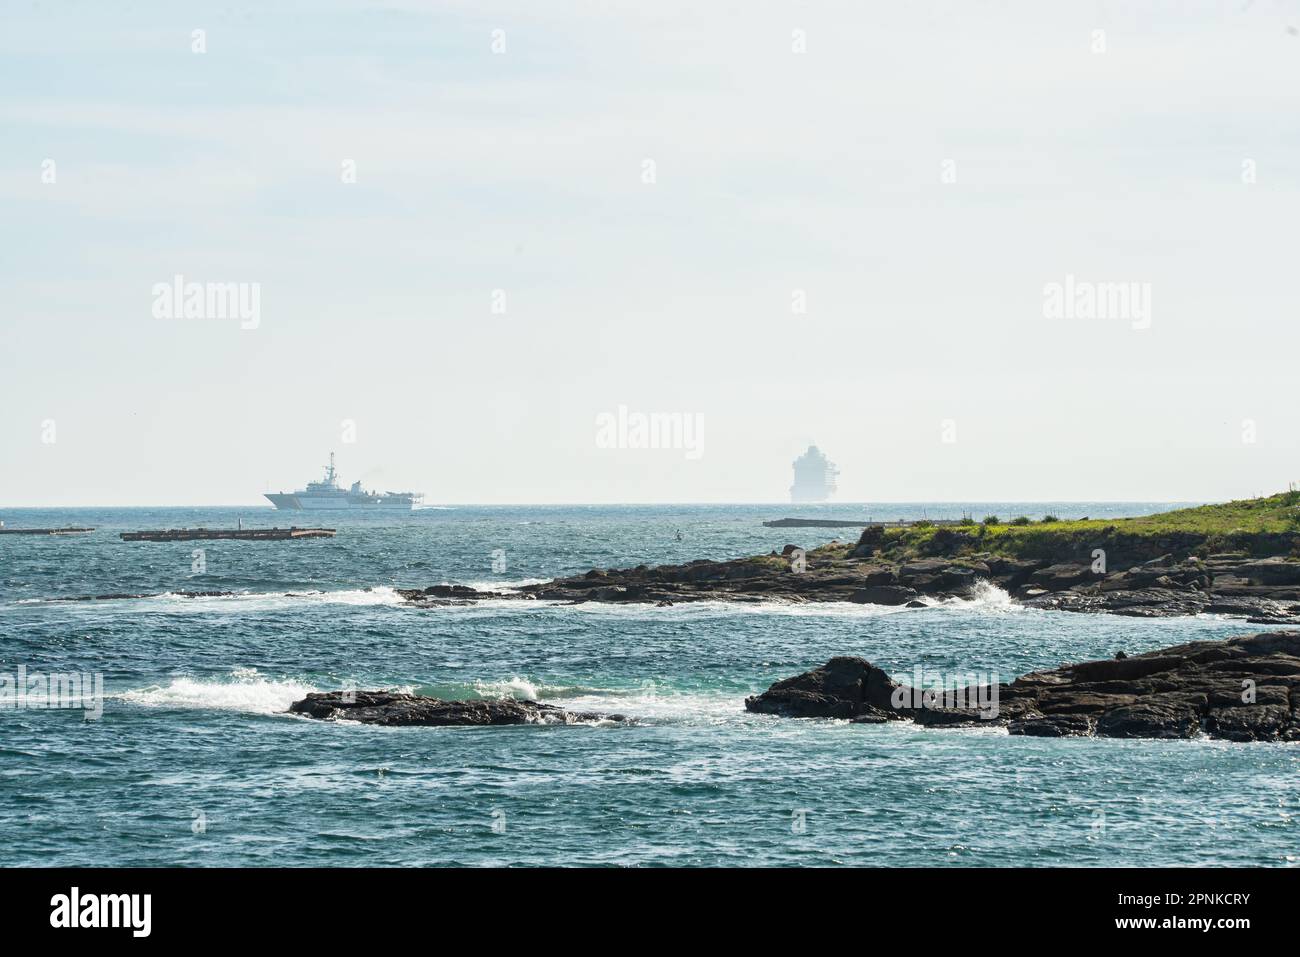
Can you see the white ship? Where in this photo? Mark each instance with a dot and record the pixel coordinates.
(328, 494)
(814, 477)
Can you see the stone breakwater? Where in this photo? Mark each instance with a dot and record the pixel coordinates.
(1261, 590)
(1241, 689)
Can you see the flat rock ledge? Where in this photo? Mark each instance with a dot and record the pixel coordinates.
(1242, 689)
(396, 709)
(1261, 590)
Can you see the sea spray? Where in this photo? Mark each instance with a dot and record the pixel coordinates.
(244, 690)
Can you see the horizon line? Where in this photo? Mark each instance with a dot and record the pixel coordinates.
(846, 504)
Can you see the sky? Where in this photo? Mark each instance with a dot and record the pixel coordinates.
(477, 231)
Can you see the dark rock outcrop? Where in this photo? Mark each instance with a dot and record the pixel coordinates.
(1263, 590)
(396, 709)
(441, 595)
(854, 689)
(1053, 726)
(1241, 689)
(844, 687)
(884, 595)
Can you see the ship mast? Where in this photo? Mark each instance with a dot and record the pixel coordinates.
(329, 472)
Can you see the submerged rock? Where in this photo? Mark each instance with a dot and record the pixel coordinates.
(1241, 689)
(119, 596)
(397, 708)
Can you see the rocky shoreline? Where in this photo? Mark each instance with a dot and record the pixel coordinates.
(1242, 689)
(1262, 590)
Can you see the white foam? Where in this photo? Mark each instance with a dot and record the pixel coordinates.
(715, 608)
(519, 688)
(379, 595)
(245, 690)
(984, 596)
(657, 704)
(243, 602)
(649, 700)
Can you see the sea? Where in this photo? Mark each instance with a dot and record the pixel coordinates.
(193, 760)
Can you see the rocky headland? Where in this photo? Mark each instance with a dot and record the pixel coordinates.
(1241, 689)
(1237, 559)
(1240, 559)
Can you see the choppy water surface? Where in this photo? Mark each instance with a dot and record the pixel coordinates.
(193, 761)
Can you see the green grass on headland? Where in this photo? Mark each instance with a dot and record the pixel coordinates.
(1261, 526)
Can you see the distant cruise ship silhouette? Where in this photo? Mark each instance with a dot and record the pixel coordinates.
(326, 494)
(814, 477)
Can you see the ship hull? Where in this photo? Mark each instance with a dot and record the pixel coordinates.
(308, 503)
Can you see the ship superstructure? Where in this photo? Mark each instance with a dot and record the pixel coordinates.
(328, 494)
(814, 477)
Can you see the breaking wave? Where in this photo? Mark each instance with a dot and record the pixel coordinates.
(244, 690)
(657, 704)
(984, 596)
(241, 601)
(513, 585)
(520, 688)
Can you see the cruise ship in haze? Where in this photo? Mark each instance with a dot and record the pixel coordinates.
(328, 494)
(814, 477)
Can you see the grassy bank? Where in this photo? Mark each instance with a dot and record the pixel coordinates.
(1257, 527)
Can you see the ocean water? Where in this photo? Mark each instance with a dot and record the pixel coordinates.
(194, 762)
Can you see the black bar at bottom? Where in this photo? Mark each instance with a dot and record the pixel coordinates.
(336, 905)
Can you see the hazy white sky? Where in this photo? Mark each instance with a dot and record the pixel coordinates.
(1171, 160)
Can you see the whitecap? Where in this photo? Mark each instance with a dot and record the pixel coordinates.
(519, 688)
(243, 690)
